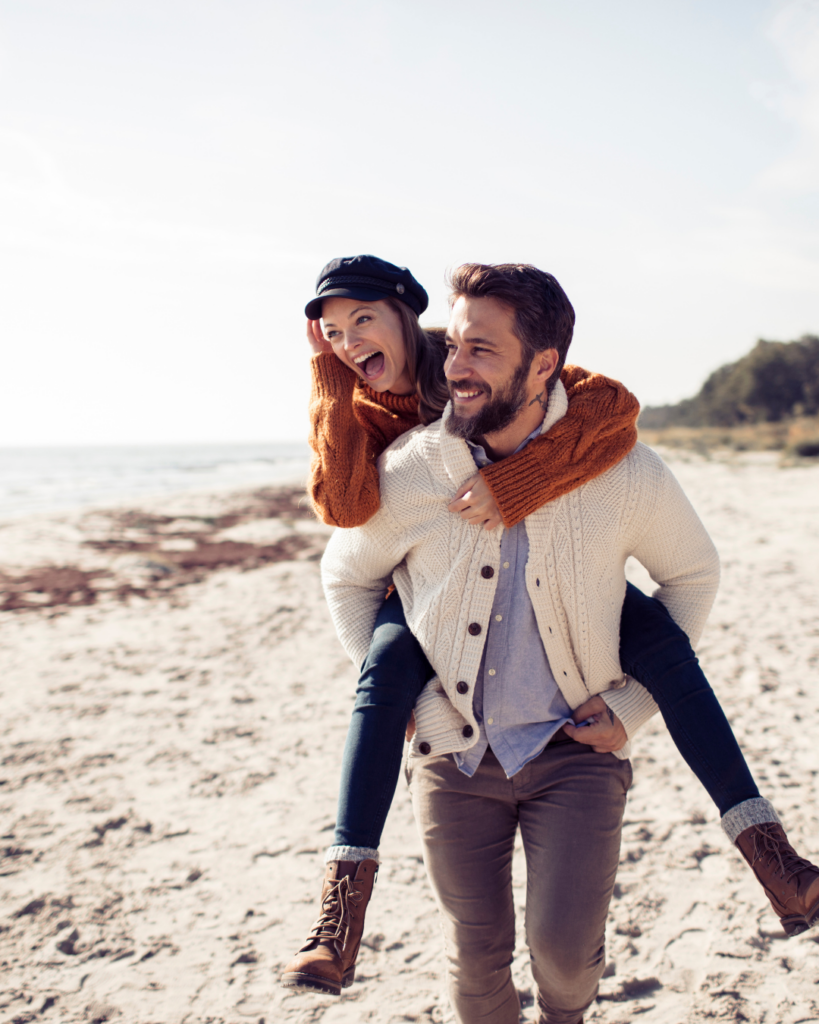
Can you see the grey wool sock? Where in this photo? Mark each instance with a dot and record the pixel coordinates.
(356, 853)
(758, 811)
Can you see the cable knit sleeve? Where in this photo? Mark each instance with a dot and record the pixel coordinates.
(675, 548)
(350, 427)
(356, 570)
(680, 557)
(598, 430)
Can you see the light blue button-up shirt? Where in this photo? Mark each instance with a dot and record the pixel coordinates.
(516, 701)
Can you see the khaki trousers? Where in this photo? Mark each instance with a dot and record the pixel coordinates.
(569, 804)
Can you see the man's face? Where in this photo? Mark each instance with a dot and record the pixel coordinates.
(487, 382)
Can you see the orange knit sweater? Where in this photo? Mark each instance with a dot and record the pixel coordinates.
(352, 425)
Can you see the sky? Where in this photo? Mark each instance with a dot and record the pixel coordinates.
(175, 173)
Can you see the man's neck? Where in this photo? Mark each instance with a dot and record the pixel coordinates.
(502, 443)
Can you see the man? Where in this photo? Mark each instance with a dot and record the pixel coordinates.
(521, 627)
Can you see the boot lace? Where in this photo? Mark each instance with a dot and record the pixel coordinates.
(771, 846)
(335, 911)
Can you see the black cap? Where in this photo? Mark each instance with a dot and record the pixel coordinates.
(367, 278)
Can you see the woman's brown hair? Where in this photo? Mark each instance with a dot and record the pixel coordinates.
(426, 353)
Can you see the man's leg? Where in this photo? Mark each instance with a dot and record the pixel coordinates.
(571, 812)
(468, 830)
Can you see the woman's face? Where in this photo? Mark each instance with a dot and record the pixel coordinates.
(368, 337)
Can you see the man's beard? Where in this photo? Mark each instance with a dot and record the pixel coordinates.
(497, 412)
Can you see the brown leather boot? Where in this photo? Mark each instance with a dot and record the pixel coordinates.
(327, 960)
(790, 882)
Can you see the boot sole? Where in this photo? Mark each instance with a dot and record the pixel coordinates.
(797, 925)
(794, 926)
(314, 982)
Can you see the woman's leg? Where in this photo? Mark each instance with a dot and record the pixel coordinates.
(657, 653)
(393, 674)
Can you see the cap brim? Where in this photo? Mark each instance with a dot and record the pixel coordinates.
(313, 308)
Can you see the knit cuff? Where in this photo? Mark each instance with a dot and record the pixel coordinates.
(520, 495)
(519, 484)
(757, 811)
(439, 724)
(356, 853)
(632, 704)
(331, 378)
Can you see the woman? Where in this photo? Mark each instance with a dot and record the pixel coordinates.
(376, 374)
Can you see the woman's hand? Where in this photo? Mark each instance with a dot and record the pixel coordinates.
(475, 504)
(318, 343)
(606, 733)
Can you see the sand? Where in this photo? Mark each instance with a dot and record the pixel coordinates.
(172, 724)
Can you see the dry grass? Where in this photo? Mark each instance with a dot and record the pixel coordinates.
(797, 438)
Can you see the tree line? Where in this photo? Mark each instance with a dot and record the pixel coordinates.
(776, 380)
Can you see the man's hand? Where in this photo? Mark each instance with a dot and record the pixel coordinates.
(475, 504)
(607, 732)
(316, 340)
(410, 727)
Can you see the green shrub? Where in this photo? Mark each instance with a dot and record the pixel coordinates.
(807, 449)
(774, 381)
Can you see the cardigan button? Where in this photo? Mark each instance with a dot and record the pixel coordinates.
(474, 628)
(424, 747)
(463, 687)
(467, 731)
(487, 572)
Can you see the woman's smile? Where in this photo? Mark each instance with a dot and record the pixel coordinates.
(371, 364)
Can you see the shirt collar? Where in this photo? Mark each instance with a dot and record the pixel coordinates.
(482, 459)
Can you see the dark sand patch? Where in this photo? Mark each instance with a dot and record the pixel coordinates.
(159, 569)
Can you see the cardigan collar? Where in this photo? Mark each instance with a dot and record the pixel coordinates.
(457, 456)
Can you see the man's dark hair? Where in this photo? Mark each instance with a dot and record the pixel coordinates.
(544, 317)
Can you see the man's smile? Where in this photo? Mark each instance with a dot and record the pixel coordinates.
(464, 394)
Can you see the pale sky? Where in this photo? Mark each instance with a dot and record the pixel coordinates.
(174, 174)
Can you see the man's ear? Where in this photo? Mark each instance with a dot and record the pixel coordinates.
(546, 363)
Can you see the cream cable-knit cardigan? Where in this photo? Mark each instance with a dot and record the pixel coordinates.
(578, 546)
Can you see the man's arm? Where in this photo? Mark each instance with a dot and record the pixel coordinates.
(678, 553)
(356, 571)
(681, 557)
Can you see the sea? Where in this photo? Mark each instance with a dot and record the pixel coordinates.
(41, 480)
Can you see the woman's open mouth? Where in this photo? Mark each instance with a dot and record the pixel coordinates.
(371, 364)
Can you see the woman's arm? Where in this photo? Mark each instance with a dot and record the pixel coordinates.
(350, 426)
(599, 429)
(343, 476)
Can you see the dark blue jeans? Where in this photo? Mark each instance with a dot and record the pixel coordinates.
(653, 649)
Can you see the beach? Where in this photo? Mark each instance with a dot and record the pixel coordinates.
(175, 703)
